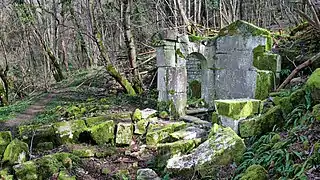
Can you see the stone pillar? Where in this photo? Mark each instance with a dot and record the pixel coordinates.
(172, 76)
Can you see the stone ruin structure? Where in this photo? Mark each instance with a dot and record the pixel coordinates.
(236, 66)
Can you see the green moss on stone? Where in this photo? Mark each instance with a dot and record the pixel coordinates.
(103, 133)
(124, 134)
(45, 146)
(84, 152)
(298, 97)
(137, 115)
(4, 174)
(286, 105)
(178, 147)
(238, 108)
(63, 175)
(155, 135)
(263, 60)
(264, 84)
(5, 139)
(313, 84)
(38, 133)
(92, 121)
(316, 112)
(255, 172)
(69, 131)
(141, 127)
(26, 171)
(261, 124)
(215, 118)
(16, 152)
(195, 89)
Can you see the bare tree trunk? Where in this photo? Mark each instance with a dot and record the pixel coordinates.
(138, 86)
(113, 71)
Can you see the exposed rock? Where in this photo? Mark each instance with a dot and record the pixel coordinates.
(261, 124)
(16, 152)
(255, 172)
(222, 147)
(178, 147)
(26, 171)
(189, 133)
(124, 134)
(137, 115)
(69, 131)
(38, 133)
(5, 139)
(164, 115)
(237, 108)
(103, 133)
(196, 121)
(147, 174)
(140, 127)
(160, 132)
(148, 113)
(313, 84)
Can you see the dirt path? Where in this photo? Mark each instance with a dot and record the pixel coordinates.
(28, 114)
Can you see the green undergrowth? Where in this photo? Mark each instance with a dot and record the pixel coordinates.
(288, 153)
(8, 112)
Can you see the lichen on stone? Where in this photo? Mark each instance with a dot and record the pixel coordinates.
(264, 84)
(178, 147)
(69, 131)
(124, 133)
(313, 84)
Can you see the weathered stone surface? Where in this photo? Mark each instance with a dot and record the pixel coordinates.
(264, 84)
(5, 139)
(197, 121)
(92, 121)
(137, 115)
(16, 152)
(39, 133)
(230, 84)
(237, 108)
(147, 174)
(103, 133)
(261, 124)
(69, 131)
(148, 113)
(255, 172)
(141, 127)
(189, 133)
(178, 147)
(313, 84)
(222, 147)
(159, 133)
(26, 171)
(124, 134)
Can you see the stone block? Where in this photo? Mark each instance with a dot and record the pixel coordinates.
(103, 133)
(166, 54)
(69, 131)
(234, 60)
(124, 134)
(232, 84)
(226, 44)
(264, 84)
(238, 108)
(230, 122)
(261, 124)
(16, 152)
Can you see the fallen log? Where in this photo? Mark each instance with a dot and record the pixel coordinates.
(297, 69)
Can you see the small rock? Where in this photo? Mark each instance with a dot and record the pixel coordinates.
(103, 133)
(124, 134)
(164, 115)
(148, 113)
(147, 174)
(16, 152)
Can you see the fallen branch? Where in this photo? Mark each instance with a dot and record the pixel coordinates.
(297, 69)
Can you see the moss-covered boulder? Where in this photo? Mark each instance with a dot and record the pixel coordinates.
(147, 174)
(26, 171)
(313, 84)
(255, 172)
(223, 146)
(286, 105)
(124, 134)
(140, 127)
(103, 133)
(4, 174)
(137, 115)
(178, 147)
(261, 124)
(69, 131)
(237, 108)
(316, 112)
(92, 121)
(5, 139)
(159, 133)
(38, 134)
(54, 163)
(16, 152)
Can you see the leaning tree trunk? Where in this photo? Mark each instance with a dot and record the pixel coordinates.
(112, 71)
(129, 39)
